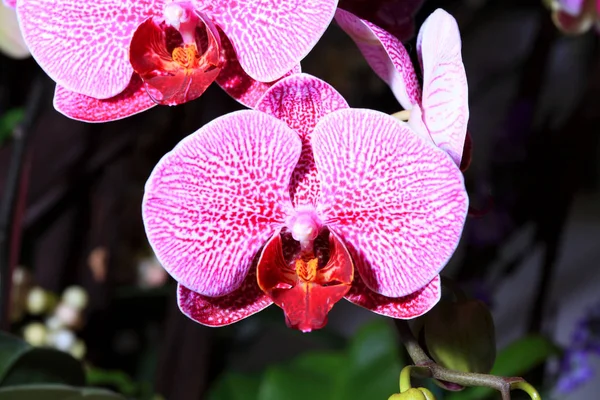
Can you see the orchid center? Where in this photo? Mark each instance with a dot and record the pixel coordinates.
(186, 56)
(305, 229)
(177, 56)
(305, 278)
(307, 270)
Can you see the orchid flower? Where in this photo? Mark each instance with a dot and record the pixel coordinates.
(11, 41)
(114, 58)
(575, 16)
(440, 111)
(302, 202)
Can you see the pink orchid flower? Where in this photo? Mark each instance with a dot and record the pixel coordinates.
(114, 58)
(301, 203)
(575, 16)
(440, 111)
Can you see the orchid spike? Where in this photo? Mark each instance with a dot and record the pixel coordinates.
(575, 17)
(440, 111)
(11, 40)
(301, 203)
(97, 51)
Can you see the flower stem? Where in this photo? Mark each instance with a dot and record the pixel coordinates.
(12, 195)
(432, 370)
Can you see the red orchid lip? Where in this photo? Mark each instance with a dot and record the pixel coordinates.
(307, 283)
(176, 66)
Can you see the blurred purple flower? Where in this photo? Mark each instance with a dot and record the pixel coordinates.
(575, 368)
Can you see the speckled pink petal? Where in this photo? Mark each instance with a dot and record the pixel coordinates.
(398, 202)
(406, 307)
(445, 103)
(386, 55)
(84, 46)
(270, 37)
(214, 200)
(236, 82)
(301, 101)
(248, 299)
(134, 99)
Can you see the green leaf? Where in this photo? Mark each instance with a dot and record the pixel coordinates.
(21, 363)
(117, 379)
(523, 355)
(56, 392)
(11, 348)
(516, 359)
(234, 386)
(374, 363)
(9, 121)
(367, 369)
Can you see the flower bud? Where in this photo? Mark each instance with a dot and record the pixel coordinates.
(35, 334)
(63, 339)
(76, 297)
(38, 301)
(68, 315)
(460, 336)
(78, 349)
(413, 394)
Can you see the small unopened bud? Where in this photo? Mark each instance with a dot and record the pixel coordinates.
(38, 301)
(76, 297)
(460, 336)
(413, 394)
(35, 334)
(68, 315)
(78, 349)
(63, 339)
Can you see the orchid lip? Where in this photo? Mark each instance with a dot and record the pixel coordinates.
(305, 283)
(177, 56)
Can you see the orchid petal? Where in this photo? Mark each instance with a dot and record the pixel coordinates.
(11, 40)
(398, 201)
(134, 99)
(386, 55)
(270, 37)
(84, 47)
(10, 3)
(406, 307)
(236, 82)
(301, 101)
(248, 299)
(214, 200)
(571, 7)
(445, 103)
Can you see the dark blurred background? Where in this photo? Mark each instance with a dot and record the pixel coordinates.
(531, 250)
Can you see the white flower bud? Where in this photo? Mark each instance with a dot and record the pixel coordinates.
(35, 334)
(38, 301)
(76, 297)
(62, 339)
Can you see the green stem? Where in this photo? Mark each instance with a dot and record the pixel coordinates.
(435, 371)
(526, 387)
